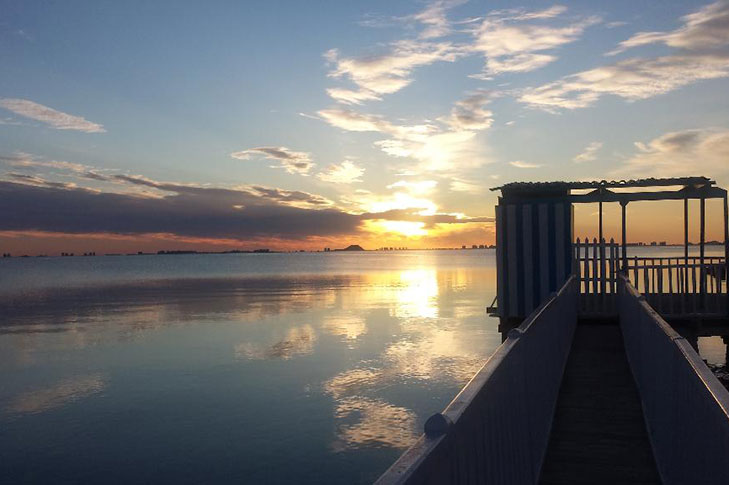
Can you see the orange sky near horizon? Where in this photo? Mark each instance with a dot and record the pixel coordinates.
(647, 222)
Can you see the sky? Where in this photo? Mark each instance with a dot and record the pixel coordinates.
(129, 126)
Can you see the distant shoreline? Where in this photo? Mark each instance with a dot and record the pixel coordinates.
(337, 251)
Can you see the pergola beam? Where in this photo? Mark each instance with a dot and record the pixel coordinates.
(610, 196)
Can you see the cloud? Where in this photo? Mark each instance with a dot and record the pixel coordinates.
(631, 79)
(520, 164)
(346, 172)
(702, 42)
(435, 147)
(589, 153)
(707, 28)
(387, 73)
(22, 159)
(700, 152)
(350, 120)
(467, 186)
(511, 42)
(53, 118)
(434, 18)
(248, 213)
(294, 162)
(470, 114)
(185, 211)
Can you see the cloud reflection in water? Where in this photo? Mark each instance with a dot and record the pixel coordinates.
(59, 394)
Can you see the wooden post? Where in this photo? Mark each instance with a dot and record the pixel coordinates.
(702, 273)
(685, 247)
(599, 238)
(726, 252)
(624, 204)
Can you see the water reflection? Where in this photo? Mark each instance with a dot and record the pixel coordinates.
(297, 341)
(56, 395)
(349, 326)
(353, 362)
(364, 422)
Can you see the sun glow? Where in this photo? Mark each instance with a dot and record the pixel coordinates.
(400, 228)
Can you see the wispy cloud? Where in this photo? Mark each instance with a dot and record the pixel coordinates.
(56, 119)
(387, 73)
(434, 147)
(631, 79)
(512, 42)
(346, 172)
(702, 54)
(293, 162)
(521, 164)
(22, 159)
(589, 153)
(470, 113)
(706, 28)
(702, 152)
(435, 18)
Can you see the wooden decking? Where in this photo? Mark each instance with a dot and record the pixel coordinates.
(598, 434)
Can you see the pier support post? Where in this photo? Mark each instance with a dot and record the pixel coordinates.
(623, 205)
(685, 244)
(601, 242)
(726, 252)
(702, 251)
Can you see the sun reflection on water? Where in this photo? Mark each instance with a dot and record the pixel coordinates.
(369, 354)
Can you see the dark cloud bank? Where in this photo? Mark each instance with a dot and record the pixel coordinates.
(192, 211)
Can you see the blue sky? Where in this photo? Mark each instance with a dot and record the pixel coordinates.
(390, 122)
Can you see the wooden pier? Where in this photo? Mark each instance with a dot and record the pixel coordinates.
(591, 384)
(599, 435)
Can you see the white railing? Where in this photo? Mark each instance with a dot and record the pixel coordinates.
(681, 285)
(597, 265)
(675, 286)
(686, 408)
(497, 429)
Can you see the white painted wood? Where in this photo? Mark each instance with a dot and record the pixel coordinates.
(511, 257)
(500, 269)
(559, 246)
(528, 263)
(543, 251)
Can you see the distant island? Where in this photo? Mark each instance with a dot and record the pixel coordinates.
(352, 247)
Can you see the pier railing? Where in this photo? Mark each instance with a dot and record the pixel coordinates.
(681, 285)
(497, 429)
(685, 407)
(674, 286)
(597, 264)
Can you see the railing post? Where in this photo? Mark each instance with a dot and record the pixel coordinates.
(623, 205)
(726, 252)
(702, 272)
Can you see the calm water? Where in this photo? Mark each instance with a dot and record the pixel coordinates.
(266, 368)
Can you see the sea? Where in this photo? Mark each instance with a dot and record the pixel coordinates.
(237, 368)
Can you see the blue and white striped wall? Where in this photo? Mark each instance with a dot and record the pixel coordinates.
(533, 253)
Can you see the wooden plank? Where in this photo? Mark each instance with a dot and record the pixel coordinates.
(659, 277)
(528, 246)
(559, 245)
(543, 251)
(603, 277)
(511, 261)
(599, 434)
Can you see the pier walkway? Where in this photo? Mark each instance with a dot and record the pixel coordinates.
(598, 434)
(591, 384)
(567, 402)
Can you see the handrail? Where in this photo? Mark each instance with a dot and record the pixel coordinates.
(497, 428)
(685, 406)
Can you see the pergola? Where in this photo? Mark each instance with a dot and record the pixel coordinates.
(675, 188)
